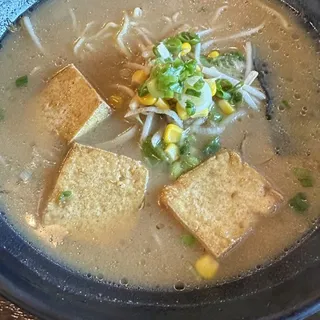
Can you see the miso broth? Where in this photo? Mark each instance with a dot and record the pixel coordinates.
(149, 252)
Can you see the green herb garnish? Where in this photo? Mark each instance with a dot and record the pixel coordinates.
(153, 154)
(212, 147)
(190, 108)
(193, 93)
(65, 195)
(232, 63)
(185, 147)
(176, 169)
(236, 97)
(188, 240)
(215, 115)
(286, 104)
(143, 90)
(229, 92)
(304, 176)
(185, 164)
(223, 88)
(22, 81)
(189, 162)
(173, 45)
(299, 202)
(167, 77)
(199, 84)
(189, 37)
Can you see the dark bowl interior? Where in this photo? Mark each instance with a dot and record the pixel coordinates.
(289, 288)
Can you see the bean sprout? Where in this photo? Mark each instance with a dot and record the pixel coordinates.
(124, 89)
(120, 139)
(29, 28)
(249, 59)
(147, 126)
(218, 13)
(146, 110)
(275, 13)
(121, 33)
(73, 19)
(137, 12)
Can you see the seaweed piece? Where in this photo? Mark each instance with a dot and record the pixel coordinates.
(280, 137)
(263, 71)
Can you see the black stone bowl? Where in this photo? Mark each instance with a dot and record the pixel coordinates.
(288, 288)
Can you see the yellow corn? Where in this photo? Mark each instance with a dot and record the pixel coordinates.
(226, 107)
(185, 48)
(139, 77)
(173, 152)
(116, 101)
(213, 86)
(207, 266)
(161, 104)
(147, 100)
(172, 133)
(200, 114)
(198, 68)
(182, 113)
(214, 54)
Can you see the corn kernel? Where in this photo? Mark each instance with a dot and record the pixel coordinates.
(172, 133)
(213, 86)
(116, 101)
(214, 54)
(139, 77)
(185, 48)
(161, 104)
(201, 114)
(226, 107)
(173, 152)
(207, 266)
(182, 113)
(198, 68)
(147, 100)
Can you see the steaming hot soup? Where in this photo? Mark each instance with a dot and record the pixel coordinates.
(158, 143)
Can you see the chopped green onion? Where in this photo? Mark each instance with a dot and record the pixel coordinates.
(238, 86)
(190, 162)
(236, 97)
(143, 90)
(160, 153)
(186, 163)
(1, 114)
(232, 63)
(299, 202)
(148, 152)
(189, 37)
(173, 45)
(187, 142)
(304, 176)
(212, 147)
(188, 240)
(185, 148)
(224, 85)
(215, 115)
(176, 170)
(22, 81)
(192, 92)
(190, 108)
(155, 51)
(223, 88)
(199, 84)
(65, 195)
(153, 154)
(286, 104)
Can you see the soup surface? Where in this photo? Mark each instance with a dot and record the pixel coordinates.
(151, 253)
